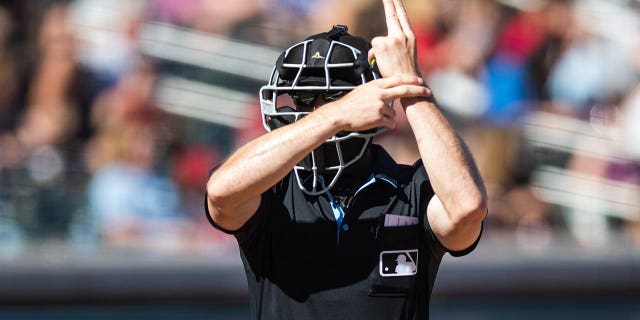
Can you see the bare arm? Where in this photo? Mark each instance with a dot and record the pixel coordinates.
(234, 189)
(456, 211)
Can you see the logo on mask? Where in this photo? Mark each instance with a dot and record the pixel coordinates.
(317, 55)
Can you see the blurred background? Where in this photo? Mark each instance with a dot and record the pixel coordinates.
(113, 112)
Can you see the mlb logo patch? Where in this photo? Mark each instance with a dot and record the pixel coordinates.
(398, 263)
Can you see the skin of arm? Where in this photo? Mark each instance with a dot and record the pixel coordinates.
(456, 211)
(234, 189)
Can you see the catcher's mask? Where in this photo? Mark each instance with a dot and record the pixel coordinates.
(328, 64)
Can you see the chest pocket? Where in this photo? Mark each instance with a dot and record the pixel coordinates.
(397, 270)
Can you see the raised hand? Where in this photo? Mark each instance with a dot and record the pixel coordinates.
(395, 53)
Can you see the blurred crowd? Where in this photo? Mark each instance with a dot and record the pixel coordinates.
(545, 92)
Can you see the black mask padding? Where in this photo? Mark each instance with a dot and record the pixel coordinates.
(306, 178)
(352, 176)
(355, 175)
(327, 154)
(278, 121)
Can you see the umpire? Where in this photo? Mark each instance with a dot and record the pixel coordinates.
(329, 226)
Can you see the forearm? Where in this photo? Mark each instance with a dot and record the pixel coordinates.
(449, 164)
(263, 162)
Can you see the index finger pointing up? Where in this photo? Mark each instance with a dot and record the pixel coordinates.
(393, 24)
(403, 19)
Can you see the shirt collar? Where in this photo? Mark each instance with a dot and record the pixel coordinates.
(384, 169)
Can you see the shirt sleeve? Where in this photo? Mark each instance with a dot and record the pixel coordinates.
(248, 229)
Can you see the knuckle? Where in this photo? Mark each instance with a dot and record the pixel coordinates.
(399, 40)
(377, 41)
(388, 43)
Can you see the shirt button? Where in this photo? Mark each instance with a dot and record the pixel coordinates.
(345, 227)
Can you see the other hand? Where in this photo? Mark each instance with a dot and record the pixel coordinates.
(367, 106)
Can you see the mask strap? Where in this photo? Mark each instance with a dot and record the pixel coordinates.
(337, 31)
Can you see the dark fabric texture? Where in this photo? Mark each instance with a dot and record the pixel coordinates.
(302, 264)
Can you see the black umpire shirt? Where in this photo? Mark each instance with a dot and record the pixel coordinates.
(309, 257)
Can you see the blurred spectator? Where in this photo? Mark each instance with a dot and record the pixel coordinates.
(10, 77)
(107, 32)
(191, 167)
(507, 78)
(50, 117)
(128, 199)
(42, 159)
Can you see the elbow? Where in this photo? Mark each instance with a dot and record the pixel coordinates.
(229, 209)
(472, 210)
(217, 199)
